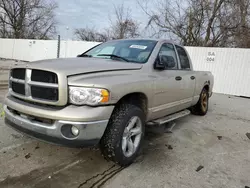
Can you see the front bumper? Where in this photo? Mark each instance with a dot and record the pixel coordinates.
(90, 130)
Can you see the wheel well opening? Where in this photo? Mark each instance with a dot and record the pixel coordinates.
(138, 99)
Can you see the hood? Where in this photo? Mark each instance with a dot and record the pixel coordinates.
(74, 66)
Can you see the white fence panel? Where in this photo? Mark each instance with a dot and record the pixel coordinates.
(6, 48)
(230, 67)
(43, 49)
(73, 48)
(28, 50)
(32, 50)
(22, 50)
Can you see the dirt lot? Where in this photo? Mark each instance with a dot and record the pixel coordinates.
(217, 142)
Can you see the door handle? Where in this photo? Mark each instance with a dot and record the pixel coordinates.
(192, 77)
(178, 78)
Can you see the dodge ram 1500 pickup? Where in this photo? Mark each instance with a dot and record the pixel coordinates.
(105, 96)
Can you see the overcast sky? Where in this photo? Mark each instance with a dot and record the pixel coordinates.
(92, 13)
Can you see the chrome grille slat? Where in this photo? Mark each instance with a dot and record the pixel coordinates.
(42, 84)
(17, 80)
(27, 80)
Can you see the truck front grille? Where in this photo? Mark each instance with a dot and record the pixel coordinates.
(34, 84)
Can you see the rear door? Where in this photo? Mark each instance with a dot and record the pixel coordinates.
(188, 76)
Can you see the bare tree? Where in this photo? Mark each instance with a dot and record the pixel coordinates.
(122, 25)
(88, 34)
(240, 8)
(194, 22)
(27, 19)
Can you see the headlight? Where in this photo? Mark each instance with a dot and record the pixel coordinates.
(89, 96)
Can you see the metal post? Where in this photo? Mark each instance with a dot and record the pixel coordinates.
(58, 46)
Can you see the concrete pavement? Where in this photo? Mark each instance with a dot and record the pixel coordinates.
(168, 160)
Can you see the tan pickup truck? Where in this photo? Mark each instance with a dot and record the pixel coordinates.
(107, 95)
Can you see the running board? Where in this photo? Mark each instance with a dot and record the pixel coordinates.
(169, 118)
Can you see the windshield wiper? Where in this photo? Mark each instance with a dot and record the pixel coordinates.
(84, 55)
(115, 56)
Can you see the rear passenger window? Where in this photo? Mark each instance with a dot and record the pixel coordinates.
(185, 64)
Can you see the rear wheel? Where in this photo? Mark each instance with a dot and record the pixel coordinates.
(123, 137)
(201, 107)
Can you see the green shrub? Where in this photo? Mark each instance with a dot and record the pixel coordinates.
(1, 111)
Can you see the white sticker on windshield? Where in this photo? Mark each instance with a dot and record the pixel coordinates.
(138, 47)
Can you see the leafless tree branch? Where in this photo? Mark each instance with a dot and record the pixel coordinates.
(121, 26)
(201, 22)
(27, 19)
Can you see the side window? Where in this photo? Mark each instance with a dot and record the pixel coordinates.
(185, 64)
(167, 55)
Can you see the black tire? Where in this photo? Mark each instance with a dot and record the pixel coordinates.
(111, 142)
(201, 107)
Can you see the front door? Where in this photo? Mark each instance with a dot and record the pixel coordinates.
(168, 84)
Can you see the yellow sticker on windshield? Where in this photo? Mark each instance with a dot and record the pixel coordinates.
(138, 47)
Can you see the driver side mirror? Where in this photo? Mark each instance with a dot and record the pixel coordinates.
(164, 62)
(159, 64)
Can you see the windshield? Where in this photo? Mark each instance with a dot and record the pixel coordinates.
(137, 51)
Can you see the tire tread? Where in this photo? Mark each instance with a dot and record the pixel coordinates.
(110, 142)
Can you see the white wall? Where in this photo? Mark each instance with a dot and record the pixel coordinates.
(6, 48)
(231, 67)
(74, 48)
(32, 50)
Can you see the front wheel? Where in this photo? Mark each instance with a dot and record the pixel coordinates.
(201, 107)
(123, 137)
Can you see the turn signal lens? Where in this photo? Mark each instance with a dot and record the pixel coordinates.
(105, 96)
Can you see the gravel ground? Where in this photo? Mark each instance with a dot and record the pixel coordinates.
(215, 145)
(6, 64)
(3, 93)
